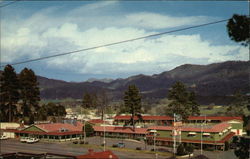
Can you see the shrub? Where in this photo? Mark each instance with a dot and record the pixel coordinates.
(227, 145)
(89, 130)
(114, 145)
(181, 150)
(138, 148)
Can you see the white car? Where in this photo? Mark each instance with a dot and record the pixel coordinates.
(32, 140)
(24, 139)
(3, 137)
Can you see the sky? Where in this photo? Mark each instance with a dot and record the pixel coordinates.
(31, 30)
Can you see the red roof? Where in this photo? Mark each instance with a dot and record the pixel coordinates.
(55, 127)
(226, 138)
(96, 121)
(127, 117)
(196, 128)
(43, 133)
(98, 155)
(221, 118)
(127, 130)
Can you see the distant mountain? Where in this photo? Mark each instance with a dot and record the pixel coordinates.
(210, 82)
(105, 80)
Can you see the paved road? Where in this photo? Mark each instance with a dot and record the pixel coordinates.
(217, 154)
(11, 145)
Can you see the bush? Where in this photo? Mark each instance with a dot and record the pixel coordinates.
(189, 148)
(75, 142)
(114, 145)
(81, 142)
(181, 150)
(227, 145)
(138, 148)
(88, 129)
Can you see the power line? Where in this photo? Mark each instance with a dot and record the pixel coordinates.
(115, 43)
(5, 5)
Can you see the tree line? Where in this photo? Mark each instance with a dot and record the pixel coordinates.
(20, 97)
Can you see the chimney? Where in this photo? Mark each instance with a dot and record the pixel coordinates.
(91, 151)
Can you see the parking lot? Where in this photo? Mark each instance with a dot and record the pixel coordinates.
(13, 145)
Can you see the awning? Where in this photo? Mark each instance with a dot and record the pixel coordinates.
(192, 133)
(206, 134)
(153, 131)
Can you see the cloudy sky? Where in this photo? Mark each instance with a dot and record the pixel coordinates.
(32, 30)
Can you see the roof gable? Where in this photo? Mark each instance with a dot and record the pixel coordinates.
(34, 128)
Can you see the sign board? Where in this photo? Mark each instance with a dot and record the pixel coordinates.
(177, 124)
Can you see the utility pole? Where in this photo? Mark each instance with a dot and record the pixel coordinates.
(201, 136)
(174, 132)
(84, 138)
(104, 140)
(202, 124)
(84, 128)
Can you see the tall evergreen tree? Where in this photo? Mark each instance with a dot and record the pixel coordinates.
(9, 94)
(132, 103)
(89, 100)
(102, 100)
(194, 105)
(237, 106)
(183, 102)
(30, 94)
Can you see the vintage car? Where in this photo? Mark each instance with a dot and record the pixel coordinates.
(24, 139)
(32, 140)
(3, 137)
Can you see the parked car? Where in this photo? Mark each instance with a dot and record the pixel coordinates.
(32, 140)
(24, 139)
(3, 137)
(121, 145)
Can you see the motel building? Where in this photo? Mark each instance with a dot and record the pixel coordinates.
(146, 120)
(235, 122)
(51, 131)
(210, 136)
(120, 132)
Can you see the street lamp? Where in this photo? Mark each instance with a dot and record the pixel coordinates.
(202, 124)
(145, 141)
(155, 133)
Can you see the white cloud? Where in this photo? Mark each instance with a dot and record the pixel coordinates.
(43, 34)
(158, 21)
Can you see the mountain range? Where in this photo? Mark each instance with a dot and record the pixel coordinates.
(213, 83)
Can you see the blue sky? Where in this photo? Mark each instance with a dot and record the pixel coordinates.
(37, 29)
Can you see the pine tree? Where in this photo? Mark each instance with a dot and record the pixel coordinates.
(89, 101)
(102, 100)
(29, 93)
(182, 101)
(132, 103)
(9, 95)
(195, 111)
(237, 106)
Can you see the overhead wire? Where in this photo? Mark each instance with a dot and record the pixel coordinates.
(115, 43)
(5, 5)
